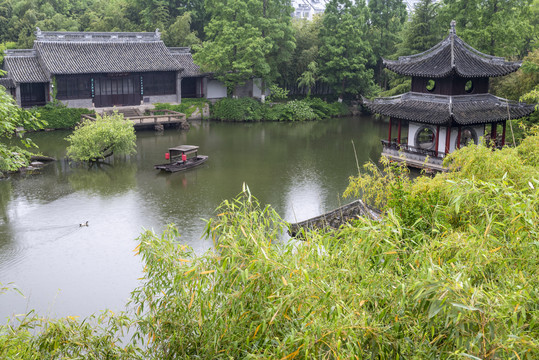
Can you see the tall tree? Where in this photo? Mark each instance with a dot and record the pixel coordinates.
(499, 27)
(306, 34)
(245, 39)
(387, 19)
(180, 34)
(346, 57)
(423, 31)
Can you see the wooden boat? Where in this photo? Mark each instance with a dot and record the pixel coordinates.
(175, 156)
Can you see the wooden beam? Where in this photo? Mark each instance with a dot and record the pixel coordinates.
(437, 141)
(493, 134)
(399, 133)
(389, 136)
(503, 133)
(447, 139)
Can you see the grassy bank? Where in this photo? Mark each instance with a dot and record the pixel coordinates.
(450, 273)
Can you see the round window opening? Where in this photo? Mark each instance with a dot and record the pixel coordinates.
(424, 138)
(468, 87)
(431, 85)
(467, 136)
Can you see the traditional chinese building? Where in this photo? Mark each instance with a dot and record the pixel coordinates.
(102, 69)
(449, 105)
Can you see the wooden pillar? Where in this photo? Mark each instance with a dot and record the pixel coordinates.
(399, 133)
(201, 88)
(389, 136)
(503, 134)
(493, 134)
(447, 139)
(458, 138)
(437, 140)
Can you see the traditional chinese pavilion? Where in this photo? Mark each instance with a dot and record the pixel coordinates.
(449, 105)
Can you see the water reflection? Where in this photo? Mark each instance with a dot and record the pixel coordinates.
(105, 179)
(301, 169)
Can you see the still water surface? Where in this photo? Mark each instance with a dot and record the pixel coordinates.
(62, 269)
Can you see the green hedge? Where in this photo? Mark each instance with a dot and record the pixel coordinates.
(248, 109)
(60, 116)
(188, 106)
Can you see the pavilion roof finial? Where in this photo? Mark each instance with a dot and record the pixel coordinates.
(453, 24)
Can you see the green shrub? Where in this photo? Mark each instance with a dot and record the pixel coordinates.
(248, 109)
(298, 110)
(59, 116)
(187, 107)
(325, 110)
(242, 109)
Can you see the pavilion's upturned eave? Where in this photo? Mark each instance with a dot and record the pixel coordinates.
(452, 55)
(446, 110)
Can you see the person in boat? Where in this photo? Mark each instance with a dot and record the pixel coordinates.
(184, 158)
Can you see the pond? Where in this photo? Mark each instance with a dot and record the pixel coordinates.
(64, 269)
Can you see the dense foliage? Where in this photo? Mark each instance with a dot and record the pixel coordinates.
(13, 118)
(248, 109)
(449, 272)
(246, 39)
(95, 140)
(187, 106)
(339, 52)
(59, 116)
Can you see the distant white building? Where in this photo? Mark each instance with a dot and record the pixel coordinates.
(306, 9)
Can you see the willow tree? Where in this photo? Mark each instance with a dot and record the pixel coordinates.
(346, 57)
(106, 136)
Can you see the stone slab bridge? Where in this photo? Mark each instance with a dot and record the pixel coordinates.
(155, 118)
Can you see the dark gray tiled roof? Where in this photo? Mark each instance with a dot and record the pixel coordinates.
(7, 83)
(23, 67)
(73, 57)
(184, 57)
(445, 110)
(452, 55)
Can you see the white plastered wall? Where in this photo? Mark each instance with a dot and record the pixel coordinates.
(413, 129)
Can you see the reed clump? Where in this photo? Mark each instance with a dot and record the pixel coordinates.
(451, 272)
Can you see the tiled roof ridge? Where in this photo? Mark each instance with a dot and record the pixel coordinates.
(20, 52)
(179, 50)
(89, 37)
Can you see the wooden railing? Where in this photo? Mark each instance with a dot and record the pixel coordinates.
(165, 117)
(394, 145)
(155, 117)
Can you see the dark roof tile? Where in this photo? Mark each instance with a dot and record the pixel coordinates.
(23, 67)
(184, 57)
(445, 110)
(105, 57)
(452, 55)
(7, 83)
